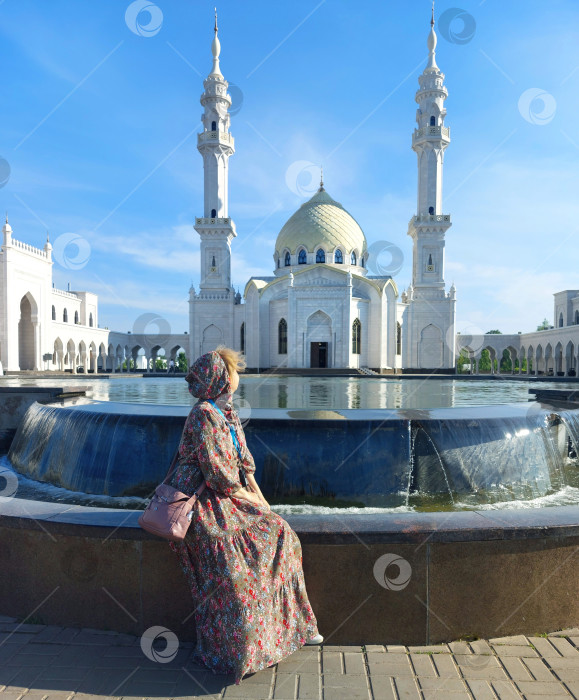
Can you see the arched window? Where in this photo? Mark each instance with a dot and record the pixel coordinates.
(431, 210)
(287, 260)
(356, 336)
(76, 316)
(577, 318)
(302, 257)
(338, 257)
(282, 337)
(432, 121)
(353, 258)
(54, 313)
(398, 339)
(65, 316)
(213, 126)
(278, 262)
(362, 261)
(213, 213)
(90, 321)
(242, 337)
(561, 320)
(320, 256)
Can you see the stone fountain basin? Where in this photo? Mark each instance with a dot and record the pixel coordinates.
(482, 574)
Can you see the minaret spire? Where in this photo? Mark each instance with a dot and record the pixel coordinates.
(216, 50)
(216, 145)
(321, 178)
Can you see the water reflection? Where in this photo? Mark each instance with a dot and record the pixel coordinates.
(267, 391)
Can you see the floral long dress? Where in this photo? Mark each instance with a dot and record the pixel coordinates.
(243, 563)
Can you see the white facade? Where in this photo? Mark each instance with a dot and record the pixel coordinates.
(321, 308)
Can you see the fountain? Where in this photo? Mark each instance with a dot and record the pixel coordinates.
(432, 488)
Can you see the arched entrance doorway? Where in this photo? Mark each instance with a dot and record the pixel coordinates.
(26, 333)
(319, 335)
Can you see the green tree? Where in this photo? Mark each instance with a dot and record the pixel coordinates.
(181, 363)
(495, 332)
(506, 362)
(463, 359)
(160, 364)
(484, 364)
(544, 326)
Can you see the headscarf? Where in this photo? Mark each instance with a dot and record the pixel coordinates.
(208, 378)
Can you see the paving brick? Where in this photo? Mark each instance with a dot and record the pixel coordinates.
(20, 627)
(375, 647)
(459, 648)
(7, 618)
(286, 687)
(423, 665)
(544, 647)
(329, 680)
(396, 649)
(332, 662)
(432, 648)
(309, 686)
(515, 651)
(505, 690)
(481, 646)
(382, 688)
(516, 669)
(540, 671)
(49, 633)
(537, 688)
(481, 690)
(489, 671)
(571, 632)
(16, 638)
(389, 665)
(32, 647)
(443, 685)
(406, 688)
(354, 663)
(562, 662)
(445, 665)
(565, 648)
(517, 640)
(11, 694)
(293, 665)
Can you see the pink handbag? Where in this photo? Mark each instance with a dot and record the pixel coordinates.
(169, 512)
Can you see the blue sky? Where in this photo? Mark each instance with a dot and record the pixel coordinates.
(98, 129)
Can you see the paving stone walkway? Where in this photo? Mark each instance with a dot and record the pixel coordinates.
(45, 662)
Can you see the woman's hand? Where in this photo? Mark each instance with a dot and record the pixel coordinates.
(252, 485)
(246, 495)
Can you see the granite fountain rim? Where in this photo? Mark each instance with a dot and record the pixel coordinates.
(338, 528)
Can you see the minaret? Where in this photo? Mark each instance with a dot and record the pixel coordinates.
(429, 141)
(215, 144)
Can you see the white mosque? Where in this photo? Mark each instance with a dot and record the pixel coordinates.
(319, 309)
